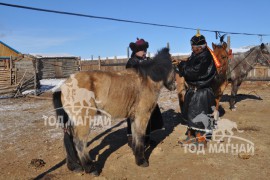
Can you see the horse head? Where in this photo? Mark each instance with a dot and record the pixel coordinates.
(264, 54)
(167, 71)
(222, 54)
(159, 69)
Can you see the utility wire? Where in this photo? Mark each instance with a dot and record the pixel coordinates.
(124, 20)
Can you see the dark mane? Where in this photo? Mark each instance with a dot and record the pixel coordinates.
(157, 68)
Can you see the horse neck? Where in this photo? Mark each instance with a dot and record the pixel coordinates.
(152, 85)
(248, 59)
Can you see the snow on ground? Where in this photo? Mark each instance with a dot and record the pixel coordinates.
(51, 84)
(47, 85)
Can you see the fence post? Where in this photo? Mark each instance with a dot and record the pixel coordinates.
(127, 52)
(228, 43)
(99, 63)
(15, 74)
(10, 69)
(36, 77)
(80, 63)
(168, 45)
(92, 57)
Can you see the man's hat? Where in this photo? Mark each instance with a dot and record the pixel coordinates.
(139, 45)
(198, 39)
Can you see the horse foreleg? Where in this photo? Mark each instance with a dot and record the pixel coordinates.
(181, 89)
(235, 87)
(217, 102)
(138, 128)
(220, 93)
(181, 96)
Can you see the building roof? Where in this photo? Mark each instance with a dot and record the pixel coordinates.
(10, 47)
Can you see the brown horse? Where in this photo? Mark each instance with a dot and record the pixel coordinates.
(220, 82)
(131, 93)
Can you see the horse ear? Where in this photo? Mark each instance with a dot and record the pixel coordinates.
(214, 46)
(262, 45)
(224, 45)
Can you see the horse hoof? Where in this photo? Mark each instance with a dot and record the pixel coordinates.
(74, 167)
(142, 163)
(145, 164)
(91, 170)
(94, 173)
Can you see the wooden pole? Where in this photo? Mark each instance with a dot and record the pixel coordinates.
(115, 68)
(36, 77)
(80, 63)
(127, 52)
(15, 74)
(228, 43)
(10, 69)
(99, 63)
(92, 57)
(168, 45)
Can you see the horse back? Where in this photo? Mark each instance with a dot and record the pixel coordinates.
(115, 92)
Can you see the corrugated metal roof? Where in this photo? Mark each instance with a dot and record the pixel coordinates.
(10, 47)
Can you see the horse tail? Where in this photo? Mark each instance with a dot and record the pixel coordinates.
(73, 162)
(58, 106)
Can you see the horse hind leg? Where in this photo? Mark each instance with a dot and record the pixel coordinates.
(80, 142)
(73, 162)
(81, 133)
(235, 87)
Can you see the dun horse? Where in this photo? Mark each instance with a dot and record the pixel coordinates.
(241, 64)
(220, 82)
(131, 93)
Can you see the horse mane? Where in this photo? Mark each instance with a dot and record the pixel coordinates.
(239, 55)
(157, 68)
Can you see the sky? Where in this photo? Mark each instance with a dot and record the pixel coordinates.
(33, 32)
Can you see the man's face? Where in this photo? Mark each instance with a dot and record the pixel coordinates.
(141, 54)
(196, 49)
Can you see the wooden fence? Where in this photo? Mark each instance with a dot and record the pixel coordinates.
(20, 76)
(259, 73)
(25, 74)
(105, 65)
(57, 67)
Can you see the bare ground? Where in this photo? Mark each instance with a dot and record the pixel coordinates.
(25, 137)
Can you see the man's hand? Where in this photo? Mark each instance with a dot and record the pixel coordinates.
(175, 61)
